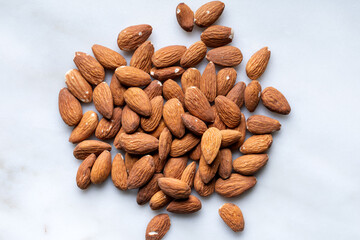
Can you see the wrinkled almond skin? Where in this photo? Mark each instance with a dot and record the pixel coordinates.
(147, 191)
(198, 105)
(159, 200)
(227, 56)
(103, 100)
(193, 55)
(201, 188)
(90, 69)
(83, 174)
(275, 101)
(138, 143)
(174, 188)
(117, 91)
(175, 167)
(208, 82)
(218, 123)
(130, 160)
(208, 171)
(236, 94)
(119, 173)
(173, 109)
(208, 13)
(87, 147)
(191, 77)
(149, 124)
(132, 37)
(242, 129)
(163, 74)
(185, 206)
(138, 101)
(108, 57)
(225, 167)
(229, 137)
(78, 86)
(132, 76)
(257, 64)
(168, 56)
(210, 144)
(154, 89)
(252, 95)
(130, 120)
(256, 144)
(228, 111)
(141, 172)
(165, 141)
(185, 17)
(232, 216)
(156, 133)
(234, 186)
(182, 146)
(107, 129)
(158, 227)
(85, 128)
(142, 57)
(250, 164)
(69, 107)
(116, 141)
(194, 124)
(225, 80)
(101, 168)
(195, 154)
(188, 174)
(217, 36)
(259, 124)
(172, 90)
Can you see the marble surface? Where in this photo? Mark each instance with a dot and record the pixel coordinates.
(310, 186)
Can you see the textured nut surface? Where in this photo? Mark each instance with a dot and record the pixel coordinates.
(132, 76)
(174, 188)
(172, 90)
(191, 77)
(85, 128)
(69, 107)
(210, 144)
(142, 57)
(108, 128)
(227, 56)
(130, 120)
(138, 143)
(167, 56)
(138, 101)
(252, 95)
(234, 186)
(163, 74)
(108, 57)
(141, 172)
(83, 174)
(158, 227)
(201, 188)
(225, 80)
(257, 64)
(185, 206)
(175, 167)
(236, 94)
(185, 17)
(217, 36)
(90, 69)
(78, 85)
(275, 101)
(257, 144)
(232, 216)
(228, 111)
(198, 105)
(225, 167)
(87, 147)
(117, 91)
(101, 168)
(208, 82)
(193, 55)
(149, 124)
(182, 146)
(173, 109)
(250, 164)
(119, 174)
(208, 13)
(132, 37)
(103, 100)
(147, 191)
(259, 124)
(194, 124)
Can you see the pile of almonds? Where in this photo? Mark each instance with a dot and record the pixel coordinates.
(160, 125)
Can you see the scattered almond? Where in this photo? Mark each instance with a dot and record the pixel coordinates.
(69, 107)
(138, 143)
(208, 13)
(119, 174)
(252, 95)
(85, 128)
(163, 74)
(257, 64)
(103, 100)
(147, 191)
(258, 124)
(228, 111)
(217, 36)
(130, 120)
(275, 101)
(250, 164)
(87, 147)
(208, 82)
(185, 17)
(172, 116)
(154, 89)
(117, 91)
(142, 57)
(234, 186)
(175, 167)
(172, 90)
(158, 227)
(132, 76)
(236, 94)
(257, 144)
(191, 77)
(168, 56)
(141, 172)
(149, 124)
(132, 37)
(232, 216)
(174, 188)
(193, 55)
(210, 144)
(194, 124)
(198, 105)
(101, 168)
(182, 146)
(138, 101)
(107, 129)
(78, 86)
(190, 205)
(227, 56)
(89, 68)
(83, 174)
(225, 167)
(225, 80)
(107, 57)
(201, 188)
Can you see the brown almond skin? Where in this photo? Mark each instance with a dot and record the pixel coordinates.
(275, 101)
(85, 128)
(225, 80)
(119, 173)
(195, 154)
(210, 144)
(208, 82)
(217, 36)
(159, 200)
(242, 129)
(256, 144)
(160, 224)
(83, 174)
(156, 133)
(130, 120)
(182, 146)
(130, 160)
(218, 123)
(108, 57)
(188, 174)
(236, 94)
(117, 91)
(201, 188)
(257, 64)
(191, 77)
(141, 172)
(175, 167)
(90, 69)
(193, 55)
(138, 101)
(87, 147)
(132, 37)
(107, 129)
(172, 90)
(101, 168)
(163, 74)
(227, 56)
(138, 143)
(250, 164)
(168, 56)
(185, 17)
(142, 57)
(116, 141)
(103, 100)
(252, 95)
(78, 86)
(198, 105)
(154, 89)
(147, 191)
(259, 124)
(208, 13)
(173, 109)
(228, 111)
(69, 107)
(132, 76)
(208, 171)
(232, 216)
(165, 141)
(235, 185)
(194, 124)
(185, 206)
(229, 137)
(225, 167)
(174, 188)
(150, 124)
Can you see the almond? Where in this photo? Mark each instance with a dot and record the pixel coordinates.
(154, 89)
(142, 57)
(193, 55)
(191, 77)
(174, 188)
(218, 123)
(217, 36)
(156, 133)
(225, 80)
(275, 101)
(236, 94)
(165, 140)
(101, 168)
(228, 111)
(150, 124)
(87, 147)
(257, 144)
(242, 129)
(107, 57)
(130, 120)
(232, 216)
(195, 154)
(132, 76)
(117, 91)
(208, 171)
(208, 82)
(172, 90)
(250, 164)
(85, 128)
(194, 124)
(210, 144)
(141, 172)
(168, 56)
(208, 13)
(166, 73)
(258, 124)
(190, 205)
(107, 129)
(234, 186)
(103, 100)
(69, 108)
(188, 174)
(159, 165)
(185, 17)
(252, 95)
(138, 143)
(119, 174)
(198, 105)
(147, 191)
(227, 56)
(132, 37)
(175, 167)
(130, 160)
(229, 137)
(117, 138)
(225, 167)
(83, 173)
(257, 64)
(201, 188)
(172, 116)
(138, 101)
(159, 200)
(90, 69)
(158, 227)
(182, 146)
(78, 86)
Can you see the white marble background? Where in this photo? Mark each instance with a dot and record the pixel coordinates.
(310, 186)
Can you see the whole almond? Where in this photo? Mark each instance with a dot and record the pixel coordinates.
(208, 13)
(132, 76)
(236, 94)
(175, 167)
(218, 123)
(182, 146)
(225, 80)
(201, 188)
(156, 133)
(147, 191)
(141, 172)
(257, 64)
(208, 171)
(252, 95)
(225, 167)
(130, 120)
(90, 69)
(232, 216)
(132, 37)
(189, 174)
(158, 227)
(85, 128)
(174, 188)
(210, 144)
(193, 55)
(138, 143)
(229, 137)
(117, 91)
(116, 142)
(108, 57)
(234, 186)
(165, 140)
(275, 101)
(159, 200)
(258, 124)
(185, 17)
(198, 105)
(138, 101)
(242, 129)
(154, 89)
(103, 100)
(119, 174)
(159, 165)
(257, 144)
(163, 74)
(194, 124)
(87, 147)
(172, 116)
(172, 90)
(130, 160)
(227, 56)
(250, 164)
(195, 154)
(107, 129)
(228, 111)
(149, 124)
(142, 57)
(69, 107)
(191, 77)
(83, 173)
(101, 168)
(168, 56)
(208, 82)
(78, 86)
(217, 36)
(185, 206)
